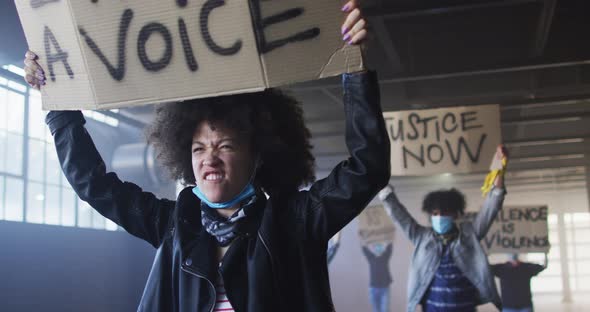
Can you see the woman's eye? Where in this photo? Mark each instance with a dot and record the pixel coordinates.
(197, 149)
(226, 147)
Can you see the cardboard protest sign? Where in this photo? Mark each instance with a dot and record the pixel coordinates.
(517, 230)
(447, 140)
(375, 226)
(100, 54)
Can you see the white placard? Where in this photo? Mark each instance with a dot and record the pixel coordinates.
(447, 140)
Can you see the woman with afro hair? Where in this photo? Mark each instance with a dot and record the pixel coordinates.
(242, 235)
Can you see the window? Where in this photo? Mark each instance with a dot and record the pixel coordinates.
(550, 279)
(576, 231)
(98, 116)
(33, 188)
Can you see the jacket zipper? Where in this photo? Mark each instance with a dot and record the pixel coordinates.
(210, 284)
(271, 264)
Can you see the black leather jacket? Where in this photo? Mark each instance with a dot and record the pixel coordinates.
(281, 264)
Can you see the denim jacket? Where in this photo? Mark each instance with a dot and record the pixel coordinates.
(466, 249)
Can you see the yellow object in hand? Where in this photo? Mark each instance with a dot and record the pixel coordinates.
(488, 183)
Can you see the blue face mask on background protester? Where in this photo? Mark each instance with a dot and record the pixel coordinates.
(442, 224)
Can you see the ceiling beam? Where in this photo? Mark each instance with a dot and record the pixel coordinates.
(566, 116)
(543, 27)
(393, 12)
(380, 30)
(485, 71)
(527, 94)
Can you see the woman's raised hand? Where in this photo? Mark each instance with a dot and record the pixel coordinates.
(354, 28)
(34, 74)
(502, 152)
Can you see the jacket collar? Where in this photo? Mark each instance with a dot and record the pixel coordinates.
(194, 238)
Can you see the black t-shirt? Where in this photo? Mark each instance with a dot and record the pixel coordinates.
(515, 282)
(380, 277)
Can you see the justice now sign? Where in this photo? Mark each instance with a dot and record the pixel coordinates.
(446, 140)
(100, 54)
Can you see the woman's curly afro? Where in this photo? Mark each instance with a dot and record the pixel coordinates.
(272, 120)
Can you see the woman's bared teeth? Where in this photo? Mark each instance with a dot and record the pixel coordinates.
(213, 177)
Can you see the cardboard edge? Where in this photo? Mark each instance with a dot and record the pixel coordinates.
(130, 103)
(350, 52)
(260, 55)
(94, 105)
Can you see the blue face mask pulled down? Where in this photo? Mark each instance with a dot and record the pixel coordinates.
(442, 224)
(248, 191)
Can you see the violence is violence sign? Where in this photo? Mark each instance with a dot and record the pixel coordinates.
(517, 230)
(102, 54)
(446, 140)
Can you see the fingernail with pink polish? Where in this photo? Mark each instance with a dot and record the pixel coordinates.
(346, 7)
(346, 37)
(344, 30)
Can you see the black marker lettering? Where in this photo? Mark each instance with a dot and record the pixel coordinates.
(456, 158)
(261, 23)
(467, 117)
(144, 34)
(437, 128)
(453, 122)
(490, 241)
(429, 153)
(508, 228)
(400, 127)
(543, 213)
(420, 158)
(412, 118)
(181, 3)
(191, 62)
(59, 56)
(474, 158)
(209, 6)
(424, 122)
(501, 217)
(118, 73)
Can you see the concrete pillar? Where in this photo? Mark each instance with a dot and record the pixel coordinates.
(565, 274)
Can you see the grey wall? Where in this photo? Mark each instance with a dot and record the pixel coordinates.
(54, 268)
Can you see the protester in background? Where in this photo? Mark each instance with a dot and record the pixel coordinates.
(378, 255)
(515, 283)
(449, 271)
(223, 245)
